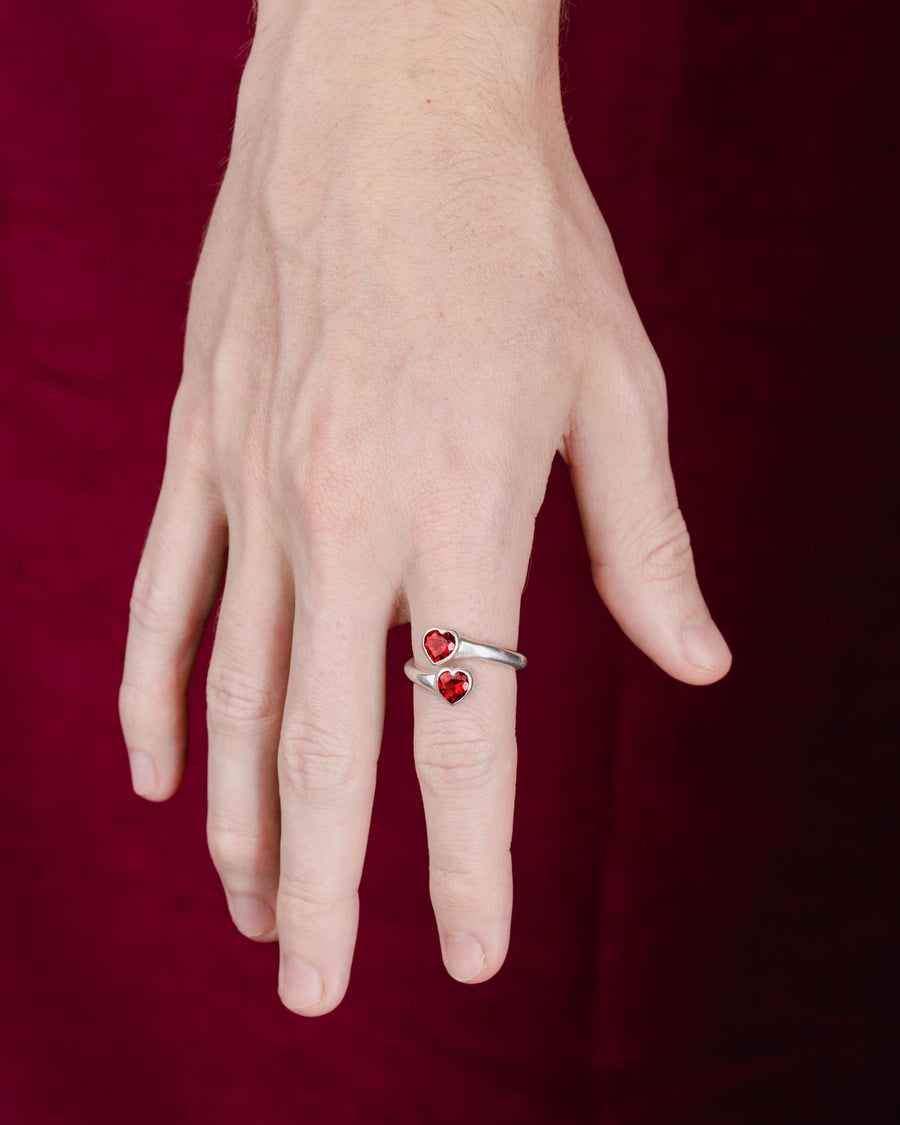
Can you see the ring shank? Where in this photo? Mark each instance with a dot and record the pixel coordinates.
(426, 679)
(474, 650)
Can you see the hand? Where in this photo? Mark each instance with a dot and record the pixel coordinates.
(406, 303)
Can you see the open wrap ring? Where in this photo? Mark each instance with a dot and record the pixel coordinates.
(451, 683)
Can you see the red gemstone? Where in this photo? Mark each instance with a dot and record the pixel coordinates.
(439, 645)
(453, 685)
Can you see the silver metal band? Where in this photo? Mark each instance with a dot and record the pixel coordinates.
(443, 647)
(460, 648)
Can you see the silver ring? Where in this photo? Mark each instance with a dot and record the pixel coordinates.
(452, 683)
(442, 644)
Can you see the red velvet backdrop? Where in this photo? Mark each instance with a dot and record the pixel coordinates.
(700, 930)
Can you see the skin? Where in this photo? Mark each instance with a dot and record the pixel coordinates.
(407, 302)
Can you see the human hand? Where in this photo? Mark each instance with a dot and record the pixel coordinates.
(407, 301)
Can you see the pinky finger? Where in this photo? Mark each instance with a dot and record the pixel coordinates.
(176, 586)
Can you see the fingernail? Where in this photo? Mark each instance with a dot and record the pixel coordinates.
(143, 773)
(252, 916)
(465, 957)
(301, 984)
(705, 646)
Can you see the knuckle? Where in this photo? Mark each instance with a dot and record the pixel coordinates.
(300, 900)
(452, 760)
(485, 522)
(455, 888)
(664, 549)
(484, 505)
(638, 359)
(237, 698)
(332, 511)
(647, 371)
(640, 401)
(231, 849)
(189, 441)
(139, 704)
(155, 606)
(314, 759)
(326, 494)
(132, 708)
(226, 357)
(286, 225)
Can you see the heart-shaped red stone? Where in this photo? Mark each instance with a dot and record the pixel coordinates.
(453, 684)
(438, 645)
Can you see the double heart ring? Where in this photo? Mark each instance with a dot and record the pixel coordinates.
(454, 684)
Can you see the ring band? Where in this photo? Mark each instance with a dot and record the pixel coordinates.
(451, 683)
(441, 644)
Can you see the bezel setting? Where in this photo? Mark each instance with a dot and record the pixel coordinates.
(455, 673)
(454, 652)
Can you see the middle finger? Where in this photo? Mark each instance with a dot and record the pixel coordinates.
(465, 755)
(330, 740)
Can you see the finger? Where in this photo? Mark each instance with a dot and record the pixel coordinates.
(638, 541)
(245, 696)
(465, 753)
(176, 586)
(330, 738)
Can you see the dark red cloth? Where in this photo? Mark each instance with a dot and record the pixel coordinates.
(700, 932)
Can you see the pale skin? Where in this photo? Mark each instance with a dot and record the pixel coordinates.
(406, 303)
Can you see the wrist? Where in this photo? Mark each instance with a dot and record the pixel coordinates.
(508, 46)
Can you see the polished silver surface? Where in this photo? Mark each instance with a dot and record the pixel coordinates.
(473, 650)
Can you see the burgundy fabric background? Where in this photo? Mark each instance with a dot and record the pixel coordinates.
(700, 932)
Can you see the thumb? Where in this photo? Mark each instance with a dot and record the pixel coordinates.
(641, 558)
